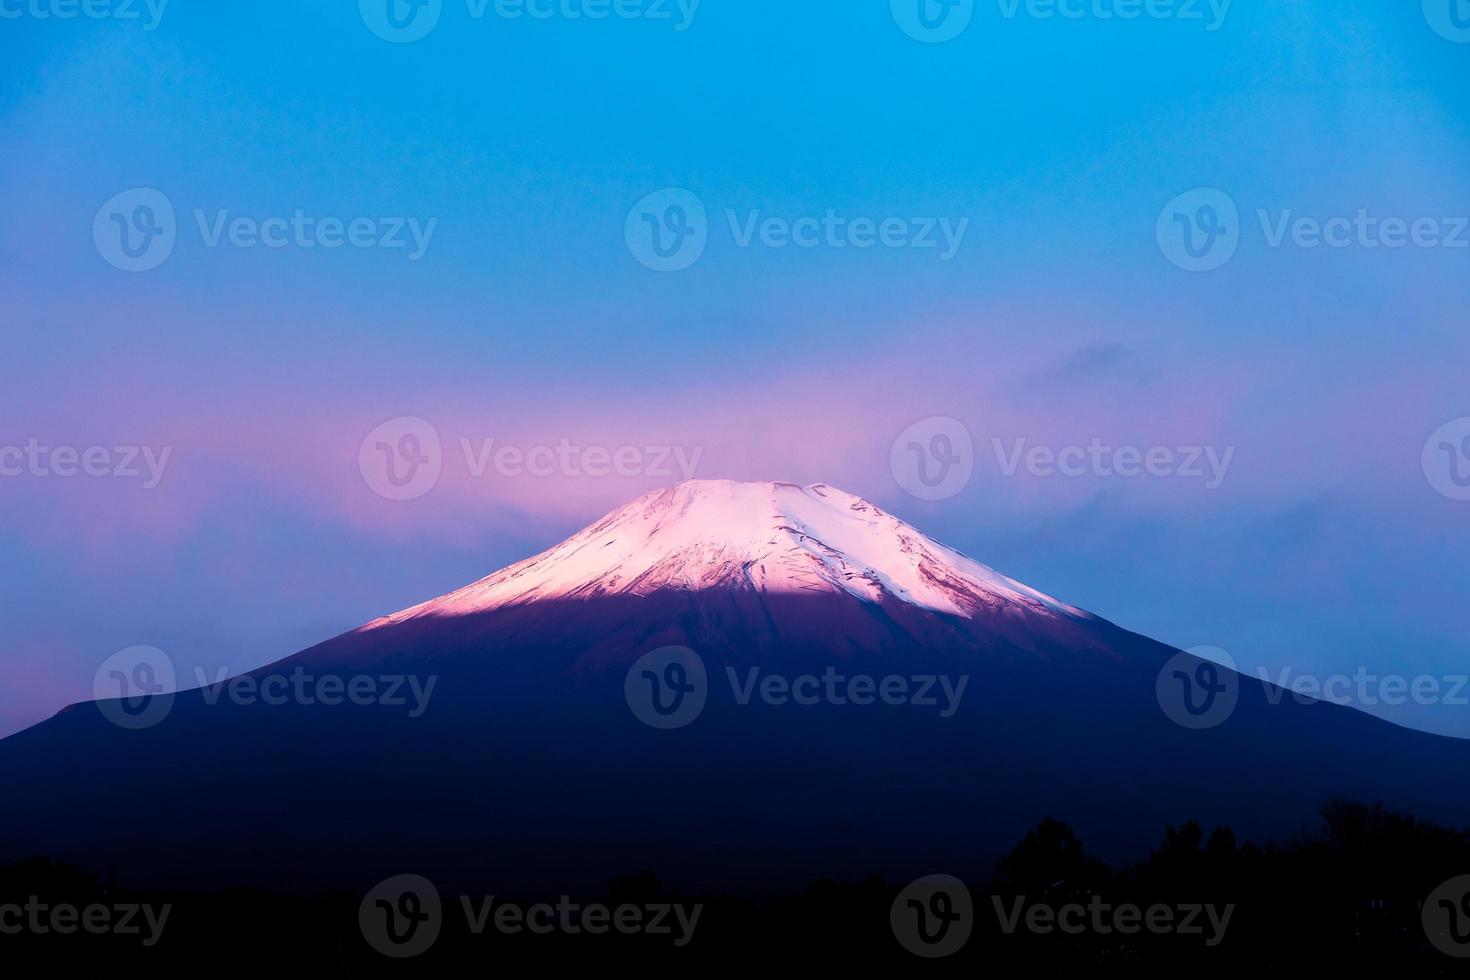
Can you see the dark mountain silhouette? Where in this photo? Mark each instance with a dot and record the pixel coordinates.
(529, 767)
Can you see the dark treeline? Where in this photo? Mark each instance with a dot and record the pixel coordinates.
(1348, 893)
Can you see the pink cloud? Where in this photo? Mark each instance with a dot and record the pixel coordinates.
(296, 447)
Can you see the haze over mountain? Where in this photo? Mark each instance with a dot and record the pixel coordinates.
(955, 708)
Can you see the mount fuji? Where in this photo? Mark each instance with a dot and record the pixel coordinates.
(765, 538)
(868, 701)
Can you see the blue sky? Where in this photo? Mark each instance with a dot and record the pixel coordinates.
(528, 318)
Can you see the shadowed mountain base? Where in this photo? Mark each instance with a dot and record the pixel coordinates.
(528, 767)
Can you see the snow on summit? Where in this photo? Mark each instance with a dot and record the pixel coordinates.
(765, 537)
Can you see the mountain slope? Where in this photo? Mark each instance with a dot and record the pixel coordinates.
(531, 766)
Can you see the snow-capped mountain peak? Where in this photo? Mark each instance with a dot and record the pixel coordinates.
(768, 538)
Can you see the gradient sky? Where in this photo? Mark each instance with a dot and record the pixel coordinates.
(529, 320)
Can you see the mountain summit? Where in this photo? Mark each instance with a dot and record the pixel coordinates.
(765, 538)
